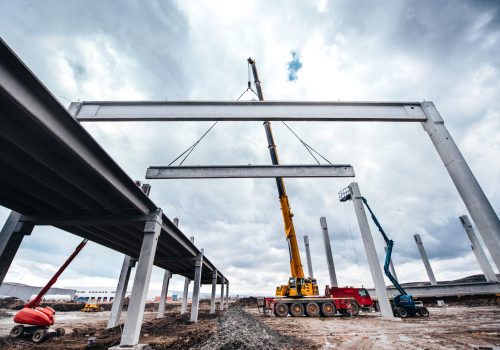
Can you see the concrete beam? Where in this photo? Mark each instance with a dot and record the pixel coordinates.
(164, 292)
(214, 288)
(328, 253)
(247, 111)
(248, 171)
(371, 252)
(135, 313)
(425, 259)
(221, 306)
(11, 236)
(196, 287)
(227, 294)
(308, 256)
(186, 290)
(121, 290)
(478, 250)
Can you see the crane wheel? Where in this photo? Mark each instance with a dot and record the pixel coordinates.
(280, 310)
(402, 312)
(328, 309)
(422, 311)
(39, 336)
(354, 309)
(17, 331)
(297, 310)
(312, 309)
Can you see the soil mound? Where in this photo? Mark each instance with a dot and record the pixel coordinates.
(246, 302)
(11, 303)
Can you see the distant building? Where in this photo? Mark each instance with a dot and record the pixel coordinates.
(97, 294)
(24, 292)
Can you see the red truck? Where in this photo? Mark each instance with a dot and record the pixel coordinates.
(346, 301)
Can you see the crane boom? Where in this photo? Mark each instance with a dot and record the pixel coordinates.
(295, 262)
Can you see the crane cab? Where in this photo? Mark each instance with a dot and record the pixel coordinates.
(298, 287)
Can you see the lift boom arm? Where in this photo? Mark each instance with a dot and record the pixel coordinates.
(295, 262)
(388, 253)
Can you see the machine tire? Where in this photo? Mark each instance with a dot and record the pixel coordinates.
(281, 310)
(354, 309)
(328, 309)
(422, 311)
(297, 310)
(312, 310)
(17, 331)
(402, 312)
(39, 335)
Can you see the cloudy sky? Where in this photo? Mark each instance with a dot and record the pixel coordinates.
(447, 52)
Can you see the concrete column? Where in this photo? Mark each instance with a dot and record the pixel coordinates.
(328, 252)
(135, 313)
(121, 290)
(371, 252)
(196, 287)
(11, 236)
(164, 292)
(391, 266)
(308, 256)
(475, 200)
(214, 288)
(227, 294)
(186, 290)
(425, 259)
(221, 306)
(478, 250)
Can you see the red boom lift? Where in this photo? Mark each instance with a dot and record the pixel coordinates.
(34, 320)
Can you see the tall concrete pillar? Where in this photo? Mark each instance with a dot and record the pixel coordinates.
(475, 200)
(308, 256)
(391, 267)
(328, 252)
(196, 287)
(11, 236)
(186, 290)
(221, 306)
(425, 259)
(121, 290)
(164, 292)
(135, 313)
(371, 252)
(478, 250)
(227, 294)
(214, 289)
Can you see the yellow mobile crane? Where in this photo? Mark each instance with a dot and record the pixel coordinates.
(298, 285)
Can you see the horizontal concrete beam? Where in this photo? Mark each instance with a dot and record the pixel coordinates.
(248, 171)
(248, 111)
(442, 290)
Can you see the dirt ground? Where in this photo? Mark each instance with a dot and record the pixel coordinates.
(242, 327)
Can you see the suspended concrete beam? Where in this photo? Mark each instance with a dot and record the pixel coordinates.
(196, 287)
(247, 111)
(248, 171)
(11, 236)
(425, 259)
(121, 290)
(214, 289)
(135, 313)
(371, 252)
(478, 250)
(328, 252)
(308, 256)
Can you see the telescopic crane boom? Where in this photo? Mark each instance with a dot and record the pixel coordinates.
(297, 285)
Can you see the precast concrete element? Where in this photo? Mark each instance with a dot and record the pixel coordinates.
(371, 252)
(214, 288)
(391, 266)
(248, 171)
(227, 294)
(11, 236)
(135, 313)
(308, 256)
(248, 111)
(478, 250)
(475, 200)
(121, 290)
(196, 287)
(221, 306)
(425, 259)
(164, 292)
(328, 252)
(185, 290)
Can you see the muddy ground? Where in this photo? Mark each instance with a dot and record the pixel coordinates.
(242, 327)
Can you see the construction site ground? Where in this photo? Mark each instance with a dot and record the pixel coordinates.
(243, 327)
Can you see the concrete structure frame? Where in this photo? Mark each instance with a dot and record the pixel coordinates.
(308, 257)
(328, 253)
(425, 259)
